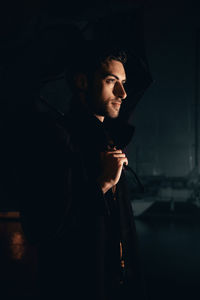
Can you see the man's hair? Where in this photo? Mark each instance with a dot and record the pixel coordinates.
(89, 57)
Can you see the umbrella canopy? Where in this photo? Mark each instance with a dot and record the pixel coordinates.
(62, 44)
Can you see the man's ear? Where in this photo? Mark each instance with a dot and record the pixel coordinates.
(81, 82)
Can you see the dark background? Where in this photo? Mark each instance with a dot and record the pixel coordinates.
(36, 39)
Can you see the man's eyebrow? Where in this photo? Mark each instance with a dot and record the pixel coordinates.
(113, 75)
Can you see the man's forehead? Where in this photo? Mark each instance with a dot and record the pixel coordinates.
(113, 67)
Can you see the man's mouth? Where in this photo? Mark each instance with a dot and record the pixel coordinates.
(116, 103)
(116, 106)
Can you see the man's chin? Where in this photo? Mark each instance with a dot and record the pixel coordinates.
(113, 114)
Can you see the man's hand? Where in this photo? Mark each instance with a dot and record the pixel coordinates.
(112, 164)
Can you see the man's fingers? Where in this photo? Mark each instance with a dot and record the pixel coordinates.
(114, 154)
(126, 162)
(114, 151)
(120, 155)
(123, 161)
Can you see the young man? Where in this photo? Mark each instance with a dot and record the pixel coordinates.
(75, 204)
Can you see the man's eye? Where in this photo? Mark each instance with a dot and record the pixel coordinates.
(110, 80)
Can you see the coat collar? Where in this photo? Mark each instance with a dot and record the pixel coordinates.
(117, 130)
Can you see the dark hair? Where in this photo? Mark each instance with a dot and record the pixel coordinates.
(89, 57)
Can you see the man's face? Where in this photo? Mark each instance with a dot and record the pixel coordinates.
(109, 92)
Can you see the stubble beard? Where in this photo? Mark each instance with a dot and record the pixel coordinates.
(104, 109)
(111, 110)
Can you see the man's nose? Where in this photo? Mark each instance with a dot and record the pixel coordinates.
(119, 90)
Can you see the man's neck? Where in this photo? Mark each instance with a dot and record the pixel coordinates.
(100, 118)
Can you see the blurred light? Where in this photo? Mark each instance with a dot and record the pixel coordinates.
(17, 246)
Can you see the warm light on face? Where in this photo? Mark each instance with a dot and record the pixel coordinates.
(109, 91)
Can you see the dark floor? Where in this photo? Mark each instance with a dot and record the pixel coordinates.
(170, 252)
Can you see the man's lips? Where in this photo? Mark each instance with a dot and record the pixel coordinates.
(117, 102)
(116, 105)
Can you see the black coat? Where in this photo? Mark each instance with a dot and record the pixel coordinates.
(65, 213)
